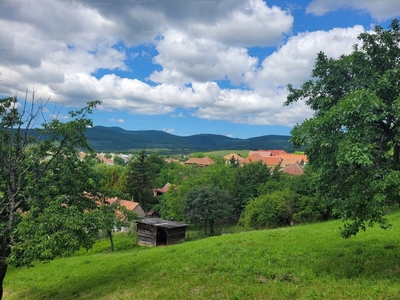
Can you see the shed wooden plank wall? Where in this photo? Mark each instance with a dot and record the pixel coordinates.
(147, 234)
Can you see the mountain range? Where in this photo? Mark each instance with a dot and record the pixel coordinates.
(112, 139)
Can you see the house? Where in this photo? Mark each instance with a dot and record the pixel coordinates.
(156, 232)
(294, 169)
(262, 153)
(290, 159)
(171, 160)
(253, 157)
(129, 205)
(271, 161)
(235, 156)
(200, 162)
(160, 191)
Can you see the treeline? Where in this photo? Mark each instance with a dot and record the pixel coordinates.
(255, 195)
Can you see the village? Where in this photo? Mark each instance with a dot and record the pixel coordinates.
(154, 231)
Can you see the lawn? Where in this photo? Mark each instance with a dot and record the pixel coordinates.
(300, 262)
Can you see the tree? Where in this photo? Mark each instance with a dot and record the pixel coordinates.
(112, 216)
(269, 210)
(353, 139)
(207, 204)
(141, 179)
(119, 161)
(246, 183)
(42, 180)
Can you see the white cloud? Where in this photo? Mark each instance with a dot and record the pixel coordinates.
(293, 62)
(59, 116)
(379, 10)
(169, 130)
(230, 135)
(117, 120)
(180, 115)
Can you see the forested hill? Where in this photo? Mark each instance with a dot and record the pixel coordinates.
(117, 139)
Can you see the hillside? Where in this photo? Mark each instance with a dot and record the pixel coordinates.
(117, 139)
(300, 262)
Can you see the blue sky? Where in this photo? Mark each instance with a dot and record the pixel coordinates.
(180, 66)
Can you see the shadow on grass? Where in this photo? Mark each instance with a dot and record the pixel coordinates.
(367, 259)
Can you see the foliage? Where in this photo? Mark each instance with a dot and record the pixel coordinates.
(142, 172)
(246, 183)
(356, 123)
(269, 210)
(119, 161)
(207, 204)
(42, 181)
(217, 175)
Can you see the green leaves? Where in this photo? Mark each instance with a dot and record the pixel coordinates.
(352, 140)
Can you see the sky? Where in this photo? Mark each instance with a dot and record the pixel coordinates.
(181, 66)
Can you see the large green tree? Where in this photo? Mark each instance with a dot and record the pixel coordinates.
(142, 173)
(353, 138)
(207, 204)
(43, 211)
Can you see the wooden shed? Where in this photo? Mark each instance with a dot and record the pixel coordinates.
(156, 232)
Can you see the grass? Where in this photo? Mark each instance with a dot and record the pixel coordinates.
(300, 262)
(222, 153)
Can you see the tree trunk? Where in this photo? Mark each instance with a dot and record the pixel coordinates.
(109, 232)
(3, 267)
(205, 226)
(211, 227)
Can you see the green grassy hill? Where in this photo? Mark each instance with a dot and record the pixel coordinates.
(300, 262)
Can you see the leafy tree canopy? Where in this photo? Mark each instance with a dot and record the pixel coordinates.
(353, 139)
(207, 204)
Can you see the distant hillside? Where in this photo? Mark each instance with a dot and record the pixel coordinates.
(117, 139)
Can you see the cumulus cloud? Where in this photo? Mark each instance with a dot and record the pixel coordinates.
(59, 47)
(116, 120)
(59, 117)
(169, 130)
(379, 10)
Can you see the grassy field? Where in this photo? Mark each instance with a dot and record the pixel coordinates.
(300, 262)
(222, 153)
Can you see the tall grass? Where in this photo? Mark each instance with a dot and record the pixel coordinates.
(300, 262)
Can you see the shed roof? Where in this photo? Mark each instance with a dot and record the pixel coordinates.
(157, 222)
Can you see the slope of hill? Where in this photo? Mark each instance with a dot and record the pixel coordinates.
(300, 262)
(117, 139)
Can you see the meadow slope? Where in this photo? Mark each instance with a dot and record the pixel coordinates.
(300, 262)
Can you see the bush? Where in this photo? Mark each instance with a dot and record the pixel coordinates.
(269, 210)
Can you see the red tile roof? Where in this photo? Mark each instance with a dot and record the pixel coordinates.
(263, 153)
(289, 159)
(294, 169)
(277, 152)
(129, 205)
(252, 158)
(235, 156)
(162, 190)
(205, 161)
(271, 160)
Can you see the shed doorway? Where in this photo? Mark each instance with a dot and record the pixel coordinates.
(162, 237)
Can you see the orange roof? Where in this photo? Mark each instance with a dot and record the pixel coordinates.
(252, 158)
(170, 160)
(205, 161)
(271, 160)
(294, 169)
(161, 190)
(234, 155)
(129, 205)
(289, 159)
(277, 152)
(263, 153)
